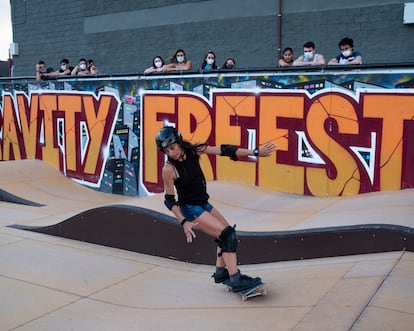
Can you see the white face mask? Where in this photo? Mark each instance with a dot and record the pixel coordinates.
(307, 55)
(63, 67)
(82, 66)
(158, 64)
(180, 59)
(210, 61)
(346, 53)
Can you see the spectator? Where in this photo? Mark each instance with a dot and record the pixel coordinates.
(41, 70)
(81, 68)
(64, 70)
(179, 62)
(92, 68)
(348, 55)
(309, 57)
(229, 64)
(209, 62)
(287, 58)
(158, 65)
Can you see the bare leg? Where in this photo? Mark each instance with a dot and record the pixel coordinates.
(220, 263)
(220, 260)
(213, 224)
(230, 260)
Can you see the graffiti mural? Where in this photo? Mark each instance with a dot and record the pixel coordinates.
(70, 131)
(337, 133)
(330, 143)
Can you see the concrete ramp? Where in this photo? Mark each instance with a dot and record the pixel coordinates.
(8, 197)
(53, 283)
(37, 181)
(271, 226)
(33, 183)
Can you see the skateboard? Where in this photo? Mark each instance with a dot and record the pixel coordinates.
(255, 291)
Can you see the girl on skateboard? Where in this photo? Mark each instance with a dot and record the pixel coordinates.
(182, 172)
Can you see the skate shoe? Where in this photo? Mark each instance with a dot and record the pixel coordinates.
(221, 275)
(245, 282)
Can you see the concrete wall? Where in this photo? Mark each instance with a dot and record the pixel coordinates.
(124, 36)
(338, 132)
(4, 68)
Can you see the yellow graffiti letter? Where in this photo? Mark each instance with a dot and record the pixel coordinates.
(280, 177)
(11, 131)
(393, 109)
(346, 182)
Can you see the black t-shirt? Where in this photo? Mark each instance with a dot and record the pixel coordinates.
(191, 184)
(70, 70)
(47, 71)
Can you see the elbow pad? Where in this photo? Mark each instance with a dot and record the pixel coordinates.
(229, 150)
(169, 201)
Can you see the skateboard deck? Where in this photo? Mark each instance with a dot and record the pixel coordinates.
(255, 291)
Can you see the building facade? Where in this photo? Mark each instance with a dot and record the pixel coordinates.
(123, 36)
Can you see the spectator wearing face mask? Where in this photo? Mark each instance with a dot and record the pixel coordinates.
(64, 69)
(81, 68)
(209, 62)
(348, 55)
(229, 64)
(309, 57)
(179, 62)
(158, 65)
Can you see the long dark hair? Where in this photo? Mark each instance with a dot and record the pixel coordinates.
(214, 65)
(224, 66)
(157, 57)
(193, 148)
(174, 57)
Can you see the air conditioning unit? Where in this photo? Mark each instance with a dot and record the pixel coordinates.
(408, 13)
(14, 49)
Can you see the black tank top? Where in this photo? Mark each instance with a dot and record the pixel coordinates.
(191, 183)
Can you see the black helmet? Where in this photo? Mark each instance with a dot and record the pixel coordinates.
(166, 136)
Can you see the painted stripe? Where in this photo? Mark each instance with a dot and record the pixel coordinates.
(178, 14)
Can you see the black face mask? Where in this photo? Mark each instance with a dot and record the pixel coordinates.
(229, 66)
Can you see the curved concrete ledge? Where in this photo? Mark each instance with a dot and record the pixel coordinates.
(8, 197)
(149, 232)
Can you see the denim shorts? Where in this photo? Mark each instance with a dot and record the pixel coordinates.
(191, 212)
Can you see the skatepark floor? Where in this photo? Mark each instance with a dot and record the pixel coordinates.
(52, 283)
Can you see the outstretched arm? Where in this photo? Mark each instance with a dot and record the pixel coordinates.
(225, 150)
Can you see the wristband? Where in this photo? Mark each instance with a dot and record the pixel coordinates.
(183, 221)
(256, 151)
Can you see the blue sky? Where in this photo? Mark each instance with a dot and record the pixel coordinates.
(6, 36)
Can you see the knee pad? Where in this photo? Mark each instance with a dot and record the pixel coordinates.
(227, 240)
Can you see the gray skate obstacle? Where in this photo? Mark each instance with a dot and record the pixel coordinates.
(149, 232)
